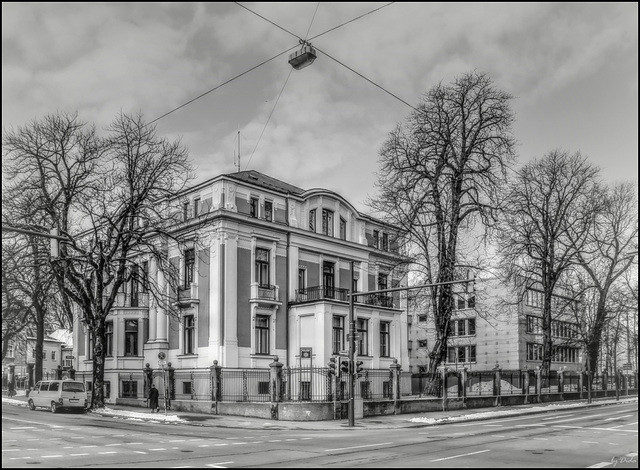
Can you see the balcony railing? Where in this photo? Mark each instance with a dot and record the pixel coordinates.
(187, 294)
(321, 293)
(140, 300)
(265, 292)
(314, 293)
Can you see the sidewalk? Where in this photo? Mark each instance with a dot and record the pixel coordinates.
(374, 422)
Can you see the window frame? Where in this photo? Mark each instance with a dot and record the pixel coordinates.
(189, 267)
(385, 339)
(262, 335)
(262, 266)
(189, 334)
(362, 330)
(131, 337)
(337, 333)
(108, 333)
(312, 221)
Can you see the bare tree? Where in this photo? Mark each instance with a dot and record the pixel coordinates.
(111, 198)
(438, 177)
(28, 283)
(547, 201)
(605, 254)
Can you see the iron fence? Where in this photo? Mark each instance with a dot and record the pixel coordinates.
(245, 385)
(480, 383)
(307, 384)
(192, 384)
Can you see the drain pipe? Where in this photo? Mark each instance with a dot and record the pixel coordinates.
(286, 290)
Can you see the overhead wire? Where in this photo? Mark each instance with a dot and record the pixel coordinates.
(284, 52)
(370, 81)
(280, 94)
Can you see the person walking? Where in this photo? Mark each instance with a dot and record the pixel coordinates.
(153, 399)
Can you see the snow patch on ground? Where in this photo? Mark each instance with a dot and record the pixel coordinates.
(138, 416)
(497, 413)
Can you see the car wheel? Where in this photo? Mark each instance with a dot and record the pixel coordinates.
(54, 407)
(32, 405)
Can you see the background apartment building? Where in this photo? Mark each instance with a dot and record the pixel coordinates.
(265, 273)
(498, 324)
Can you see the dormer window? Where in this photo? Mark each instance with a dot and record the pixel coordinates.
(343, 229)
(254, 203)
(327, 222)
(312, 220)
(268, 210)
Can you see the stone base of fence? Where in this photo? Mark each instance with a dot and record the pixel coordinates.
(325, 411)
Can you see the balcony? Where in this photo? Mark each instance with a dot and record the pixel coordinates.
(123, 300)
(312, 294)
(187, 295)
(264, 293)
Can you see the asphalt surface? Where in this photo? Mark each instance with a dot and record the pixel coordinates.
(374, 422)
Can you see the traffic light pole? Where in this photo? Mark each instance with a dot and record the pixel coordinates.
(352, 348)
(352, 331)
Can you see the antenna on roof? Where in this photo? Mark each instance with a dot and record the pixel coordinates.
(234, 160)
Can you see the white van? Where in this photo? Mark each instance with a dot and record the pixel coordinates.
(58, 394)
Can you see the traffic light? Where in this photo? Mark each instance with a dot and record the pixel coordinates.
(333, 366)
(344, 366)
(358, 371)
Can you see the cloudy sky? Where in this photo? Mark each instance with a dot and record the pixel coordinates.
(571, 67)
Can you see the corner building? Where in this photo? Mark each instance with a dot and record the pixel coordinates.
(265, 272)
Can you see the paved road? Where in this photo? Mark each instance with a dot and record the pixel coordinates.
(599, 436)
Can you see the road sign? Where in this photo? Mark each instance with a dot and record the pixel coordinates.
(305, 353)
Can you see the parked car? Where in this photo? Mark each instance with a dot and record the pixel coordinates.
(58, 395)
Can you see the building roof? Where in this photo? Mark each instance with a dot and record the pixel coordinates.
(264, 181)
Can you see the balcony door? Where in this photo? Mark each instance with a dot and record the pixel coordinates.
(328, 279)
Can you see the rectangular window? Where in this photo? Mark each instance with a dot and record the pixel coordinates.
(268, 210)
(108, 334)
(44, 355)
(534, 352)
(302, 279)
(312, 220)
(376, 238)
(343, 229)
(185, 211)
(106, 386)
(382, 281)
(385, 241)
(145, 277)
(461, 329)
(338, 334)
(461, 354)
(135, 282)
(189, 265)
(53, 355)
(254, 204)
(262, 266)
(262, 334)
(472, 353)
(534, 324)
(186, 388)
(131, 337)
(129, 389)
(189, 334)
(471, 301)
(461, 303)
(385, 345)
(10, 351)
(328, 279)
(422, 318)
(196, 207)
(327, 222)
(451, 354)
(422, 343)
(263, 388)
(472, 326)
(363, 333)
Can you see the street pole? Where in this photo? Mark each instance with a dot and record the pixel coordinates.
(352, 347)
